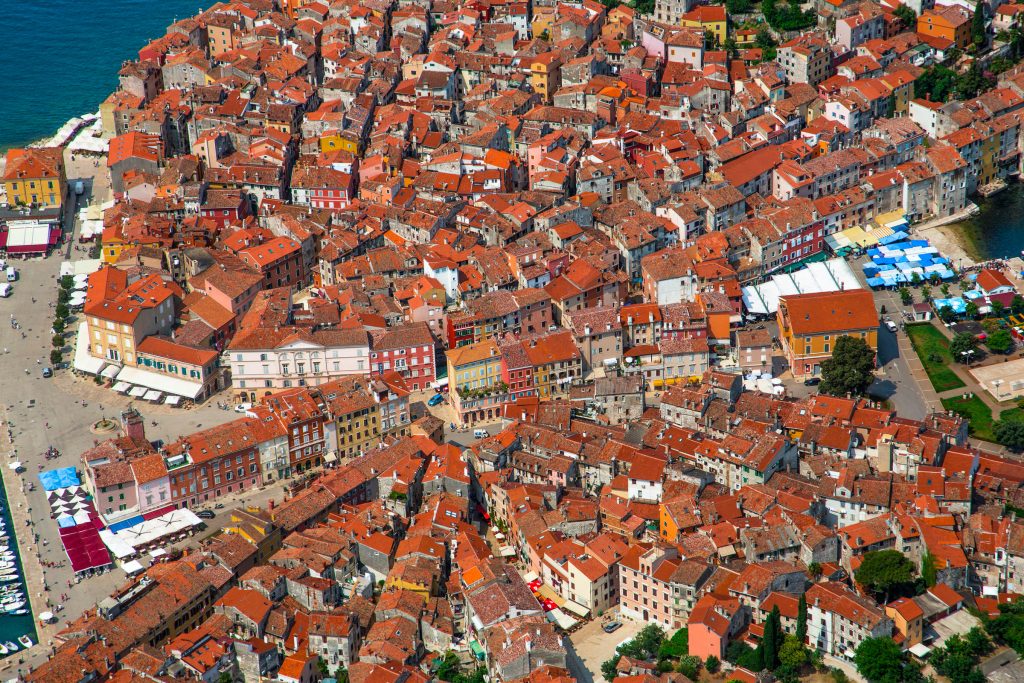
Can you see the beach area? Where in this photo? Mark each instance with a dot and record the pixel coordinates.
(948, 237)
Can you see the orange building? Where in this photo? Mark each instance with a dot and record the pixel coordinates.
(948, 22)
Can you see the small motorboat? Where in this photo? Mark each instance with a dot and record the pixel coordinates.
(9, 579)
(4, 650)
(25, 641)
(11, 647)
(19, 612)
(9, 608)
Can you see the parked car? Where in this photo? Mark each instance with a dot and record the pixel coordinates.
(812, 381)
(436, 400)
(243, 407)
(205, 514)
(612, 626)
(891, 325)
(47, 372)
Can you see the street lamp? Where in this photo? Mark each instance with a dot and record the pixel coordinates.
(967, 356)
(996, 383)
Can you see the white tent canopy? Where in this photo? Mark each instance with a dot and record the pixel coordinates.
(828, 276)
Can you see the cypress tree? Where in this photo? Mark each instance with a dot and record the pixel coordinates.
(801, 619)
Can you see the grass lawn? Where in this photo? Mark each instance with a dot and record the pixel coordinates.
(932, 348)
(978, 414)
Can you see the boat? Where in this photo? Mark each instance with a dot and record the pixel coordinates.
(4, 650)
(9, 579)
(19, 612)
(25, 641)
(11, 647)
(12, 606)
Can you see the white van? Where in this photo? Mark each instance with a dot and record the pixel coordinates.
(480, 434)
(12, 274)
(5, 290)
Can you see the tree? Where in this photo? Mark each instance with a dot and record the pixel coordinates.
(644, 6)
(449, 667)
(906, 15)
(926, 293)
(880, 660)
(936, 83)
(56, 357)
(815, 570)
(1017, 304)
(801, 619)
(58, 341)
(689, 666)
(341, 674)
(971, 309)
(1009, 433)
(850, 370)
(906, 297)
(964, 346)
(957, 661)
(978, 25)
(792, 654)
(645, 645)
(771, 640)
(67, 282)
(736, 650)
(59, 326)
(608, 669)
(712, 664)
(882, 571)
(321, 665)
(1000, 342)
(62, 311)
(998, 309)
(928, 571)
(946, 314)
(737, 6)
(225, 677)
(676, 646)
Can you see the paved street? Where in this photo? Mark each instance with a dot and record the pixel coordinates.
(593, 646)
(58, 412)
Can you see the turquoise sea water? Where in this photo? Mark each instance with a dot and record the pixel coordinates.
(60, 58)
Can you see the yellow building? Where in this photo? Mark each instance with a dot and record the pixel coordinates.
(35, 177)
(543, 20)
(120, 315)
(810, 325)
(545, 75)
(711, 18)
(474, 366)
(556, 363)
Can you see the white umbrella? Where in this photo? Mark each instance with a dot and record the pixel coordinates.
(46, 616)
(15, 466)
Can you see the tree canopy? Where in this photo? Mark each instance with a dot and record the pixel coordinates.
(884, 571)
(880, 660)
(850, 370)
(1009, 433)
(964, 346)
(1000, 342)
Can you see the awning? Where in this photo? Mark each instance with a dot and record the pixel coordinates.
(173, 400)
(561, 619)
(576, 608)
(84, 362)
(331, 457)
(110, 372)
(122, 387)
(154, 395)
(530, 576)
(507, 551)
(137, 392)
(164, 383)
(132, 567)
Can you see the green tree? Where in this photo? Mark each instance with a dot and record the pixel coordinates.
(998, 309)
(882, 571)
(1017, 304)
(957, 661)
(676, 646)
(449, 667)
(59, 326)
(321, 665)
(764, 38)
(880, 660)
(736, 650)
(978, 644)
(341, 674)
(644, 6)
(801, 619)
(62, 311)
(971, 309)
(928, 570)
(225, 677)
(1009, 433)
(56, 357)
(608, 669)
(67, 282)
(926, 293)
(689, 666)
(771, 640)
(737, 6)
(906, 297)
(946, 314)
(1000, 342)
(792, 654)
(712, 664)
(645, 644)
(906, 15)
(964, 346)
(63, 296)
(850, 369)
(935, 83)
(814, 569)
(58, 341)
(978, 25)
